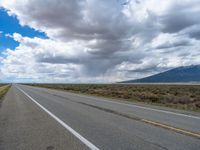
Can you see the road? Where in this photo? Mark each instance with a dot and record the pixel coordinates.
(39, 118)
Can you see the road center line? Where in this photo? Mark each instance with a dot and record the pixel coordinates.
(76, 134)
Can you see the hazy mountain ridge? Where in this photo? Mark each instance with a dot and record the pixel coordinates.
(179, 74)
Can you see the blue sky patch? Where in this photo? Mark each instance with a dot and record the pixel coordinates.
(10, 25)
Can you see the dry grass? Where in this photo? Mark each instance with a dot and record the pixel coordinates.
(177, 96)
(3, 90)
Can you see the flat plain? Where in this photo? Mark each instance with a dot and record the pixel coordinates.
(185, 97)
(41, 118)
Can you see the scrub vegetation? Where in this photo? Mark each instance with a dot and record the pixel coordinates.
(3, 90)
(176, 96)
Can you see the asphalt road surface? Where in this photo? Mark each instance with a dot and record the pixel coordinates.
(39, 118)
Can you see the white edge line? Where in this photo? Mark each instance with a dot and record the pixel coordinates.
(158, 110)
(76, 134)
(142, 107)
(131, 105)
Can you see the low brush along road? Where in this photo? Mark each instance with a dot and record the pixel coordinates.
(46, 119)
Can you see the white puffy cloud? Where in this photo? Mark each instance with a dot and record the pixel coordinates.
(94, 41)
(23, 62)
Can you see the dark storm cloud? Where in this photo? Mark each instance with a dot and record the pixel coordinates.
(144, 70)
(181, 16)
(193, 32)
(81, 20)
(183, 42)
(109, 33)
(107, 47)
(56, 59)
(92, 65)
(177, 22)
(195, 35)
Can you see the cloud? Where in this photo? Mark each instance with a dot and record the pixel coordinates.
(8, 35)
(165, 41)
(1, 32)
(193, 32)
(181, 16)
(45, 56)
(92, 40)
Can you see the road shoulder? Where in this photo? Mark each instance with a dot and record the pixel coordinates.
(23, 125)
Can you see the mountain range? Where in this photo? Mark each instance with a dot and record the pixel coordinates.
(179, 74)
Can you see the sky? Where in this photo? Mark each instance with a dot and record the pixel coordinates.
(96, 41)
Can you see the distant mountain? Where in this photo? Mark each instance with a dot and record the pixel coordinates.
(180, 74)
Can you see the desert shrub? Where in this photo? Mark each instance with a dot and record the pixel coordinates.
(184, 96)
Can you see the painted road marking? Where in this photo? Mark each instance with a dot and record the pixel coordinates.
(158, 110)
(137, 106)
(76, 134)
(130, 105)
(182, 131)
(165, 126)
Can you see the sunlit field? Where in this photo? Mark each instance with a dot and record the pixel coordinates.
(176, 96)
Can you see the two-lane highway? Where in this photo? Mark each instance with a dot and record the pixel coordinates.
(99, 123)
